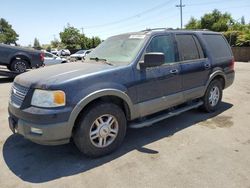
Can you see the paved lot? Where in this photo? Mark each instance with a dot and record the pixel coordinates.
(190, 150)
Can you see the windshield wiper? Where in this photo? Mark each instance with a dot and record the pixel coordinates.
(101, 59)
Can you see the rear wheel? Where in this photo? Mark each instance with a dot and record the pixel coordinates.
(19, 65)
(213, 96)
(101, 129)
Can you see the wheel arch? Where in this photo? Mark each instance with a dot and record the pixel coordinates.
(21, 56)
(110, 95)
(220, 75)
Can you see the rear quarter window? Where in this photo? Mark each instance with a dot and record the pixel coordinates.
(217, 45)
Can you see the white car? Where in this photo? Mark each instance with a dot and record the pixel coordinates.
(54, 51)
(63, 52)
(51, 59)
(80, 54)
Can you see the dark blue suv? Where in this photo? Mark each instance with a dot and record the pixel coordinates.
(129, 80)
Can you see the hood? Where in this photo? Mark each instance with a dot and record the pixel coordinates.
(46, 76)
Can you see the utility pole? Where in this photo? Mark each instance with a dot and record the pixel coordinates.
(180, 6)
(82, 29)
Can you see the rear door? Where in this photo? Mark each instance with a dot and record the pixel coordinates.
(195, 67)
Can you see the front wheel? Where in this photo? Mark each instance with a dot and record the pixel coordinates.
(213, 96)
(101, 129)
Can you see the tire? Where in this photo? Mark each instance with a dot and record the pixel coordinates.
(19, 65)
(213, 96)
(91, 124)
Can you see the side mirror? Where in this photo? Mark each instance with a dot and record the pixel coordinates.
(152, 59)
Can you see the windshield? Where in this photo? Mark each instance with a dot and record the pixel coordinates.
(80, 52)
(118, 50)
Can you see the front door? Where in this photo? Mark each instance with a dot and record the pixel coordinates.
(159, 87)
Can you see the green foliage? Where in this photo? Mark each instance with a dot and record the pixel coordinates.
(93, 42)
(7, 34)
(48, 49)
(244, 39)
(36, 44)
(55, 43)
(232, 36)
(216, 21)
(71, 38)
(193, 24)
(237, 33)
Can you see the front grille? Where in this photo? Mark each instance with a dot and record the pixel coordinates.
(18, 94)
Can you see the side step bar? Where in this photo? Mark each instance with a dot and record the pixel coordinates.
(149, 122)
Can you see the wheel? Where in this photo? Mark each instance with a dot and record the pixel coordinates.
(213, 96)
(101, 129)
(19, 65)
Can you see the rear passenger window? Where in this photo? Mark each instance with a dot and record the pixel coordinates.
(165, 45)
(189, 47)
(217, 45)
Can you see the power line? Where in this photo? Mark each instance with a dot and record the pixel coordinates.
(180, 6)
(212, 2)
(131, 17)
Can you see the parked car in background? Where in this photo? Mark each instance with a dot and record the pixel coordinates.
(20, 59)
(63, 52)
(51, 59)
(54, 51)
(80, 54)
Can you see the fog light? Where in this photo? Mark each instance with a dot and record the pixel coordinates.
(36, 130)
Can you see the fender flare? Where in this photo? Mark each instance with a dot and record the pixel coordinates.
(97, 94)
(214, 74)
(17, 56)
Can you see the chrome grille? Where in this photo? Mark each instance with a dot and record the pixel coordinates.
(18, 94)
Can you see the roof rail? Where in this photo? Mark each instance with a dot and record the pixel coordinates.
(201, 29)
(155, 29)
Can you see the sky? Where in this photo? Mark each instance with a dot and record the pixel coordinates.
(46, 19)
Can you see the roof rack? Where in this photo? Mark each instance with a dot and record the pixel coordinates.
(155, 29)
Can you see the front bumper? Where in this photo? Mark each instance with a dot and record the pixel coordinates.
(54, 130)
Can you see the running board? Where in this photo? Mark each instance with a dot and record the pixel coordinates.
(161, 117)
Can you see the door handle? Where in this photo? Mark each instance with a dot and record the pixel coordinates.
(174, 71)
(207, 65)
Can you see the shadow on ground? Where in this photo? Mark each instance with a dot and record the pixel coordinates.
(35, 163)
(5, 80)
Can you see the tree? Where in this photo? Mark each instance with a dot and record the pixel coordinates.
(215, 21)
(83, 41)
(7, 34)
(55, 43)
(70, 37)
(36, 44)
(93, 42)
(193, 24)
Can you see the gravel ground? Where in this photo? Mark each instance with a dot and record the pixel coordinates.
(193, 149)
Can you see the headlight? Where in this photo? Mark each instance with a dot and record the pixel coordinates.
(43, 98)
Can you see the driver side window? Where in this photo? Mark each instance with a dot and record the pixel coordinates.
(163, 44)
